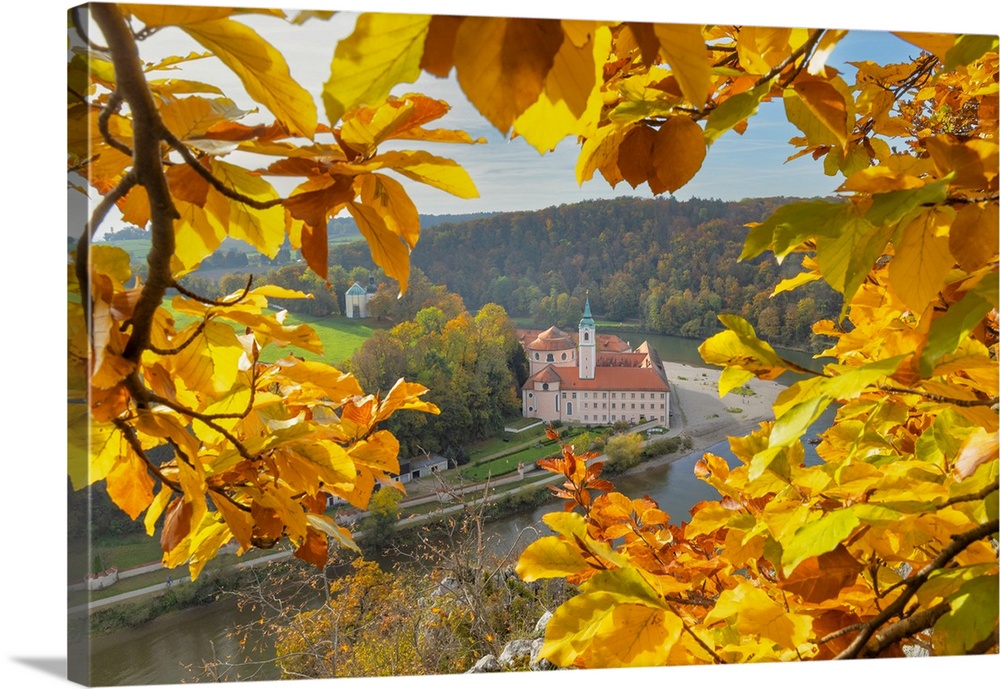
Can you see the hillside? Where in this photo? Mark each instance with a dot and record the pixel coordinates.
(668, 266)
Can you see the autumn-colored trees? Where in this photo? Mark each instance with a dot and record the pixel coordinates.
(889, 542)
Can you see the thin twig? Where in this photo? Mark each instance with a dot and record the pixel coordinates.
(213, 302)
(111, 108)
(180, 348)
(133, 440)
(949, 552)
(207, 175)
(988, 402)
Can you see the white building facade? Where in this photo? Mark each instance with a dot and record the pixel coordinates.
(594, 380)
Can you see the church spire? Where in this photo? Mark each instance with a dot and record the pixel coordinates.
(587, 343)
(588, 319)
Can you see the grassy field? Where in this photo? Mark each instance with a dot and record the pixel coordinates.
(508, 463)
(504, 442)
(341, 336)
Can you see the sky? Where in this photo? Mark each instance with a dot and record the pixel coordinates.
(510, 174)
(33, 508)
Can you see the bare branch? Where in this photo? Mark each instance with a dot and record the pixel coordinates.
(947, 554)
(180, 348)
(213, 302)
(114, 102)
(192, 160)
(988, 402)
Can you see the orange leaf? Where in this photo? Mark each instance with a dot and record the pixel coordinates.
(313, 549)
(502, 63)
(821, 578)
(176, 525)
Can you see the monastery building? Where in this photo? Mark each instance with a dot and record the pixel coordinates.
(594, 379)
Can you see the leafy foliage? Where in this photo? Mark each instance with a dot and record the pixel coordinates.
(887, 542)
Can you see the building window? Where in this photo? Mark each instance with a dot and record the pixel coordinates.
(633, 397)
(530, 395)
(564, 356)
(613, 395)
(545, 386)
(549, 357)
(564, 395)
(604, 405)
(633, 405)
(536, 356)
(569, 409)
(531, 409)
(585, 417)
(604, 395)
(586, 336)
(642, 406)
(604, 417)
(642, 395)
(574, 395)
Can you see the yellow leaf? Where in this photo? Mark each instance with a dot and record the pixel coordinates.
(973, 162)
(390, 200)
(937, 43)
(441, 173)
(570, 103)
(404, 395)
(262, 229)
(826, 103)
(922, 261)
(502, 63)
(262, 69)
(974, 239)
(685, 51)
(130, 486)
(384, 50)
(598, 151)
(678, 152)
(549, 556)
(978, 448)
(757, 615)
(388, 250)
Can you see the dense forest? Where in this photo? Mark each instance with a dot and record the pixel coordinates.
(473, 366)
(669, 266)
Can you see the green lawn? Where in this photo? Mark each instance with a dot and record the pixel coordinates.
(340, 336)
(505, 442)
(508, 463)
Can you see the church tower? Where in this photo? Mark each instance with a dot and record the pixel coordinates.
(588, 344)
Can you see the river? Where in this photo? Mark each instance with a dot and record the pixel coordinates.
(159, 652)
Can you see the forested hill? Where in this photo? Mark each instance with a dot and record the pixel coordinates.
(669, 265)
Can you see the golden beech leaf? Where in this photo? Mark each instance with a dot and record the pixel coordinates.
(262, 69)
(440, 43)
(922, 261)
(686, 53)
(974, 163)
(978, 448)
(570, 103)
(502, 63)
(404, 395)
(388, 249)
(974, 238)
(392, 203)
(678, 153)
(176, 525)
(384, 50)
(820, 578)
(826, 103)
(441, 173)
(130, 486)
(264, 229)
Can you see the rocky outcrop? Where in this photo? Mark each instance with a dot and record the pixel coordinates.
(519, 654)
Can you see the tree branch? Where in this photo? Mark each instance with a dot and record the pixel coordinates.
(989, 402)
(180, 348)
(213, 302)
(207, 175)
(905, 627)
(133, 440)
(958, 544)
(109, 109)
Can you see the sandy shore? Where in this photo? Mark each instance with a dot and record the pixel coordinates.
(699, 413)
